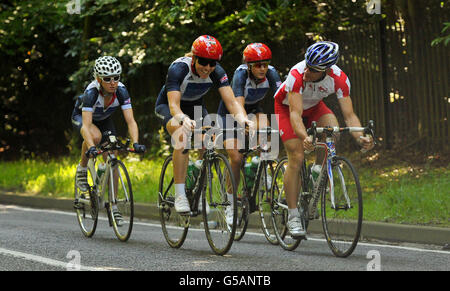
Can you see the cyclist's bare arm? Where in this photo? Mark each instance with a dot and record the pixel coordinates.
(352, 120)
(86, 129)
(132, 125)
(296, 111)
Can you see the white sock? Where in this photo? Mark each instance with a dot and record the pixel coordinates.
(179, 190)
(230, 198)
(79, 167)
(293, 213)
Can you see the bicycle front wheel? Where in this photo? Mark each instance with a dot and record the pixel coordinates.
(243, 208)
(265, 202)
(174, 225)
(86, 207)
(342, 208)
(121, 206)
(220, 223)
(279, 209)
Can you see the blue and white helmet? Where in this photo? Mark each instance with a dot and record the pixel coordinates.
(322, 55)
(107, 66)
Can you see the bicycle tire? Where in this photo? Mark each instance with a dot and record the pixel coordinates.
(220, 239)
(123, 200)
(264, 203)
(279, 209)
(87, 213)
(174, 226)
(243, 208)
(342, 225)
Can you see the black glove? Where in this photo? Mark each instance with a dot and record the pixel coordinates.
(91, 152)
(139, 148)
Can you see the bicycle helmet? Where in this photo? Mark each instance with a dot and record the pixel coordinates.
(107, 66)
(257, 52)
(322, 55)
(207, 47)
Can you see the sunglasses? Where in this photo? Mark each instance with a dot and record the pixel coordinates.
(312, 70)
(204, 62)
(260, 65)
(109, 79)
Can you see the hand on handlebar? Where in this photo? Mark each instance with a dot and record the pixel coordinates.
(308, 144)
(366, 143)
(188, 125)
(139, 148)
(91, 152)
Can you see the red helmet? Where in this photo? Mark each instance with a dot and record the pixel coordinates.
(207, 47)
(256, 52)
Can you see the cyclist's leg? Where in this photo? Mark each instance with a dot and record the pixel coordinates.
(324, 117)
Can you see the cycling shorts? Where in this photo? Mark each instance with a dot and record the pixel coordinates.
(103, 125)
(189, 108)
(309, 115)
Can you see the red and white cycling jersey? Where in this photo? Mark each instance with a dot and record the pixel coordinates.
(336, 81)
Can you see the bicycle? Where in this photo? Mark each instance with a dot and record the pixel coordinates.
(213, 195)
(256, 193)
(338, 189)
(104, 192)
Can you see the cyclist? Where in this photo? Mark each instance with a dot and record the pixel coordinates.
(298, 102)
(188, 79)
(92, 114)
(251, 81)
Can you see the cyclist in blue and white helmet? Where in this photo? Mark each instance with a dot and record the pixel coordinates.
(299, 102)
(322, 55)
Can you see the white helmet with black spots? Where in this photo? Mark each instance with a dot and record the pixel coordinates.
(107, 66)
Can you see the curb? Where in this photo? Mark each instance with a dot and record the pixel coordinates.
(370, 230)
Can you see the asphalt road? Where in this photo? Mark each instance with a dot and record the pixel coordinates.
(33, 239)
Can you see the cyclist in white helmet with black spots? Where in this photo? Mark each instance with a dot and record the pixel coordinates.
(91, 116)
(298, 102)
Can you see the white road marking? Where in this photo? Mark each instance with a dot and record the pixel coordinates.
(251, 233)
(45, 260)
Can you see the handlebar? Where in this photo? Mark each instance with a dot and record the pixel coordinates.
(329, 130)
(112, 143)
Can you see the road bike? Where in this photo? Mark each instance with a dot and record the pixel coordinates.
(214, 180)
(255, 194)
(338, 189)
(111, 191)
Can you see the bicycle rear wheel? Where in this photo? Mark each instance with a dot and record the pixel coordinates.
(243, 208)
(86, 207)
(219, 182)
(121, 206)
(279, 209)
(264, 202)
(342, 221)
(174, 226)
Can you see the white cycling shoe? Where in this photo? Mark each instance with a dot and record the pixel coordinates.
(182, 204)
(296, 228)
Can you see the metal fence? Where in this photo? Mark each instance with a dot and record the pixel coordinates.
(400, 80)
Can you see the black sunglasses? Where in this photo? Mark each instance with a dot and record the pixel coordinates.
(204, 62)
(108, 79)
(312, 70)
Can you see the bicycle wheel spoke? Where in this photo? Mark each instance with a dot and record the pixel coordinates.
(85, 208)
(342, 210)
(243, 208)
(279, 211)
(265, 202)
(122, 205)
(174, 226)
(219, 231)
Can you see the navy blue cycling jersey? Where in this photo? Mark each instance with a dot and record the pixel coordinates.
(92, 100)
(247, 87)
(244, 86)
(180, 77)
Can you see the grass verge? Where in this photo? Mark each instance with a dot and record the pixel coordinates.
(397, 193)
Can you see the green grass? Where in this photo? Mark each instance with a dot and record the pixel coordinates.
(395, 193)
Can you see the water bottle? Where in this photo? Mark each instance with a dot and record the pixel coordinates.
(315, 172)
(100, 171)
(248, 174)
(197, 167)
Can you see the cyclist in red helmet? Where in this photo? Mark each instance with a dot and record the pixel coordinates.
(251, 82)
(180, 102)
